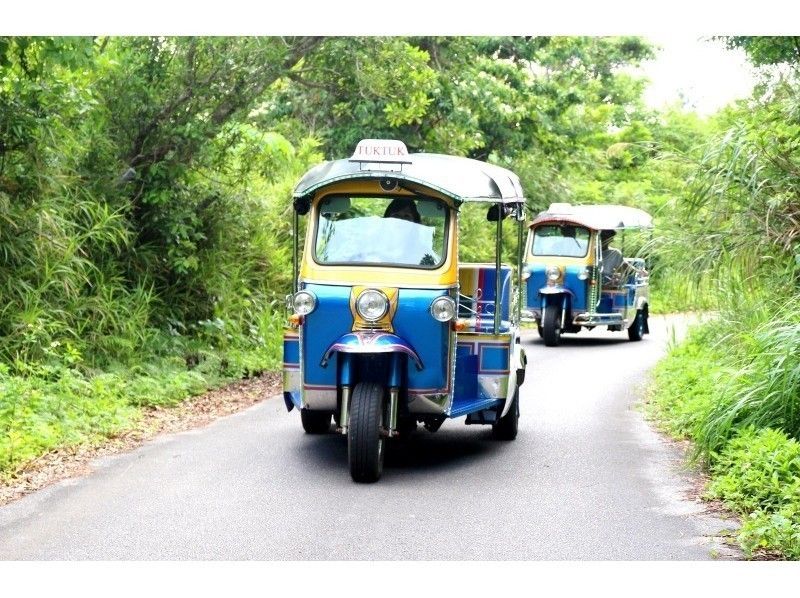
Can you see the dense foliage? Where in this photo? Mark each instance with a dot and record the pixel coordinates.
(734, 387)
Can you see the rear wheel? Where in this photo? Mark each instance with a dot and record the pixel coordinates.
(507, 426)
(551, 325)
(365, 443)
(636, 331)
(315, 422)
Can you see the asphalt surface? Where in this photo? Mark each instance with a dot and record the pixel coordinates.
(585, 479)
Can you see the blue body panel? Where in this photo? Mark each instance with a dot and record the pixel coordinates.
(479, 358)
(430, 338)
(577, 288)
(493, 359)
(412, 322)
(330, 319)
(291, 352)
(466, 383)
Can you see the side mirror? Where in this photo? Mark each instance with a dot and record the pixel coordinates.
(496, 212)
(302, 205)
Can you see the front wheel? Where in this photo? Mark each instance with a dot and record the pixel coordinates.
(507, 426)
(551, 325)
(315, 422)
(365, 442)
(636, 331)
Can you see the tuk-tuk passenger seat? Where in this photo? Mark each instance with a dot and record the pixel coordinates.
(477, 286)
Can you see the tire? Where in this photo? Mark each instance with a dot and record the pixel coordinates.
(636, 330)
(365, 444)
(315, 422)
(551, 325)
(508, 425)
(540, 330)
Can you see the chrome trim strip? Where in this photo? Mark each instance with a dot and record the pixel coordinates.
(598, 319)
(339, 283)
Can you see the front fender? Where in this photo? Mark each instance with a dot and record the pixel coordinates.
(371, 342)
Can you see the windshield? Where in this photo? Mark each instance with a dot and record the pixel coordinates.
(563, 240)
(381, 230)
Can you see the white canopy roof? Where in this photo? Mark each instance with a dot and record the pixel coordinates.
(463, 179)
(597, 217)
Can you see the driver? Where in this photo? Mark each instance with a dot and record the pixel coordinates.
(404, 209)
(612, 257)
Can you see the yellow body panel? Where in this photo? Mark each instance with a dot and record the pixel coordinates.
(385, 323)
(310, 271)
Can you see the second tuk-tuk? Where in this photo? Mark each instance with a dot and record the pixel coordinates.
(575, 279)
(386, 328)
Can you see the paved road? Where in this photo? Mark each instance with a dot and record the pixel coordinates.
(585, 479)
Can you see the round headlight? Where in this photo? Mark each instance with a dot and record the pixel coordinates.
(553, 273)
(304, 303)
(372, 305)
(443, 309)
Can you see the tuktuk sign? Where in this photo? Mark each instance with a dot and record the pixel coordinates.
(380, 150)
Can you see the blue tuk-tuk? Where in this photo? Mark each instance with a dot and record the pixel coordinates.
(575, 279)
(387, 329)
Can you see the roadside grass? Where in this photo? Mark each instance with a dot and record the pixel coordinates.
(733, 388)
(673, 292)
(60, 404)
(683, 384)
(758, 476)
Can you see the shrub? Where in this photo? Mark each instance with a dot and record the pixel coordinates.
(758, 475)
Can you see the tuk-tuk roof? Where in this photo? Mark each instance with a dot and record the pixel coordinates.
(597, 217)
(462, 179)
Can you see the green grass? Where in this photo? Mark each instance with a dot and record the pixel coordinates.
(764, 387)
(673, 292)
(758, 476)
(733, 388)
(686, 382)
(59, 405)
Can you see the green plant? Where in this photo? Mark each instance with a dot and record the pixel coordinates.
(758, 475)
(764, 386)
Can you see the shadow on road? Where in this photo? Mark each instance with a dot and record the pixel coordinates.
(578, 341)
(421, 452)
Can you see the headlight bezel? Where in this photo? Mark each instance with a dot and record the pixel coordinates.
(304, 302)
(364, 296)
(449, 312)
(552, 274)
